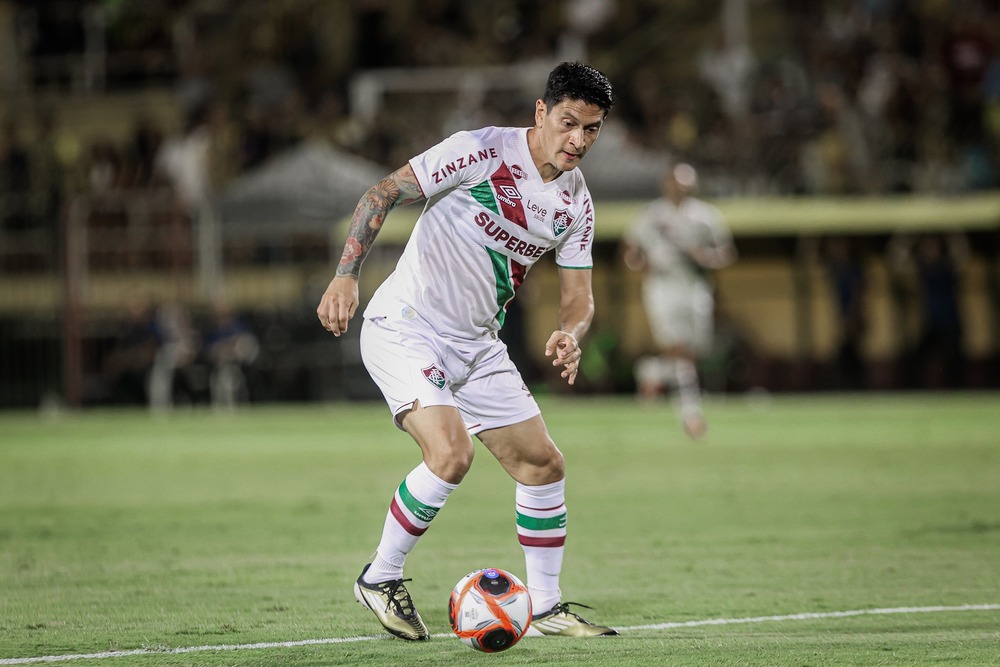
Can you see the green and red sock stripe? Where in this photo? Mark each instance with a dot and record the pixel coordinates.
(413, 515)
(541, 527)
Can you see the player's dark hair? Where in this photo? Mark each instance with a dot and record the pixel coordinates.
(577, 81)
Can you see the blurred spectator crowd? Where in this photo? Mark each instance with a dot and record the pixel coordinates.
(162, 356)
(834, 97)
(768, 97)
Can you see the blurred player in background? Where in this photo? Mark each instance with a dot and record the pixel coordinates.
(497, 199)
(677, 242)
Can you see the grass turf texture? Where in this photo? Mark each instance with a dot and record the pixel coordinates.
(119, 530)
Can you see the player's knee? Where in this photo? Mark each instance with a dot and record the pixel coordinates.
(551, 467)
(557, 466)
(450, 461)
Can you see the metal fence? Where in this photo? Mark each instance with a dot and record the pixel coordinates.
(128, 298)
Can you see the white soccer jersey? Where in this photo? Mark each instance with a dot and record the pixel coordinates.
(487, 220)
(665, 230)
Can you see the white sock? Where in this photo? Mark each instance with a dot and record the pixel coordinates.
(541, 530)
(688, 389)
(414, 505)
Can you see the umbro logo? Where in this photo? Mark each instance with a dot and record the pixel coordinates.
(510, 191)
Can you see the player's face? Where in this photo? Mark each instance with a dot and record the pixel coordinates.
(566, 133)
(674, 190)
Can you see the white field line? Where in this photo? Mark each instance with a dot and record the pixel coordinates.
(807, 616)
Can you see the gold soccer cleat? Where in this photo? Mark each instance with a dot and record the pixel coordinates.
(392, 606)
(561, 622)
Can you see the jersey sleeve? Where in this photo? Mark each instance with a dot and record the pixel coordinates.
(721, 234)
(576, 250)
(641, 232)
(463, 158)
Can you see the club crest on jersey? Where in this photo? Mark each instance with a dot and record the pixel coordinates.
(561, 222)
(434, 375)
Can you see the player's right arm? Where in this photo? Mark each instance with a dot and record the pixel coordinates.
(637, 239)
(715, 253)
(713, 257)
(340, 301)
(633, 256)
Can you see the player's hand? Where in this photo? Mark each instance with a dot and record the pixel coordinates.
(338, 305)
(567, 350)
(634, 258)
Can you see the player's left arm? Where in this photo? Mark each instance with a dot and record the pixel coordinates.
(714, 257)
(576, 311)
(720, 252)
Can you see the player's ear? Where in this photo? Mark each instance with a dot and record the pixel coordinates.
(540, 110)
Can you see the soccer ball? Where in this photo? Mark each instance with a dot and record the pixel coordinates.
(490, 610)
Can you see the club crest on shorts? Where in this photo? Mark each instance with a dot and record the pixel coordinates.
(434, 375)
(561, 221)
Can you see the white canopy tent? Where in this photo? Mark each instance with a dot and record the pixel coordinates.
(304, 190)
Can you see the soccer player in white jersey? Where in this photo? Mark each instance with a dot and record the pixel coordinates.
(678, 241)
(496, 200)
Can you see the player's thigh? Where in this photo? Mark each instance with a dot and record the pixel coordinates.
(703, 321)
(443, 439)
(493, 394)
(526, 451)
(671, 314)
(405, 366)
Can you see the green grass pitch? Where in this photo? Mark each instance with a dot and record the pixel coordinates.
(122, 531)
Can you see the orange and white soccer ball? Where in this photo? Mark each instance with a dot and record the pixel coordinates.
(490, 610)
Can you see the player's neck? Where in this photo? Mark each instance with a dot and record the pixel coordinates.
(545, 168)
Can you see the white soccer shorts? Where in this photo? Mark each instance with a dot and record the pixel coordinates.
(410, 362)
(679, 312)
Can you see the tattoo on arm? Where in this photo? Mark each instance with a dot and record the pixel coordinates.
(409, 188)
(397, 189)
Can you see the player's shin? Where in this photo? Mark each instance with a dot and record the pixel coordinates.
(689, 393)
(541, 530)
(414, 505)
